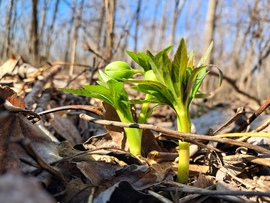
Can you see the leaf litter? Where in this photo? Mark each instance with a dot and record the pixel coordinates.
(64, 158)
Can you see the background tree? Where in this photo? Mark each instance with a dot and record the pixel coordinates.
(51, 29)
(33, 37)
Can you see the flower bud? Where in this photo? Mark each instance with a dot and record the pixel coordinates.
(120, 70)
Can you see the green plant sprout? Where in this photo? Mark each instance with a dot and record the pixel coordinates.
(175, 83)
(111, 90)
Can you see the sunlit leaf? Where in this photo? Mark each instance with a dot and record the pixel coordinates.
(155, 67)
(202, 96)
(194, 83)
(133, 56)
(141, 59)
(220, 76)
(83, 92)
(179, 66)
(205, 56)
(163, 95)
(191, 60)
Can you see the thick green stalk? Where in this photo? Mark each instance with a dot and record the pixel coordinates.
(183, 119)
(183, 125)
(183, 162)
(134, 135)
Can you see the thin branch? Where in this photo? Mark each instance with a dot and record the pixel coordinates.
(191, 189)
(260, 110)
(74, 107)
(189, 137)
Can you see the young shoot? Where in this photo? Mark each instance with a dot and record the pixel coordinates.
(175, 83)
(112, 91)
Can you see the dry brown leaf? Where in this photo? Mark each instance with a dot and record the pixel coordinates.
(15, 188)
(64, 127)
(8, 66)
(26, 70)
(115, 132)
(123, 192)
(204, 181)
(76, 192)
(11, 96)
(14, 127)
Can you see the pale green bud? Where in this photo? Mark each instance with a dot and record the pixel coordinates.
(120, 70)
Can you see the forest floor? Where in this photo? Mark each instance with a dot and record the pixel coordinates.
(65, 148)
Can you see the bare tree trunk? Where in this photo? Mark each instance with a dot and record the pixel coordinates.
(44, 17)
(34, 42)
(138, 11)
(208, 37)
(8, 30)
(77, 21)
(209, 27)
(50, 31)
(110, 10)
(100, 27)
(164, 23)
(178, 6)
(152, 40)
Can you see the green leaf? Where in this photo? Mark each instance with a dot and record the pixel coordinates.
(99, 92)
(166, 66)
(191, 60)
(141, 59)
(81, 92)
(141, 101)
(119, 95)
(164, 96)
(220, 76)
(194, 83)
(103, 79)
(202, 96)
(206, 54)
(150, 82)
(156, 67)
(161, 65)
(179, 66)
(164, 51)
(134, 56)
(150, 112)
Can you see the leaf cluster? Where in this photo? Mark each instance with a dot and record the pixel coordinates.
(178, 81)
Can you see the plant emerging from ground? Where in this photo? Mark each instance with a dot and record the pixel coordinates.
(110, 89)
(171, 82)
(174, 83)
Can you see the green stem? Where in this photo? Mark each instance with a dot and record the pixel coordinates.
(142, 117)
(134, 135)
(183, 163)
(183, 119)
(183, 125)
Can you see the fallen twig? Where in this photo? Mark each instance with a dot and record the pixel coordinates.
(75, 107)
(261, 109)
(191, 189)
(176, 134)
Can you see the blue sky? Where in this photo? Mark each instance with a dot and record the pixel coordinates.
(191, 8)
